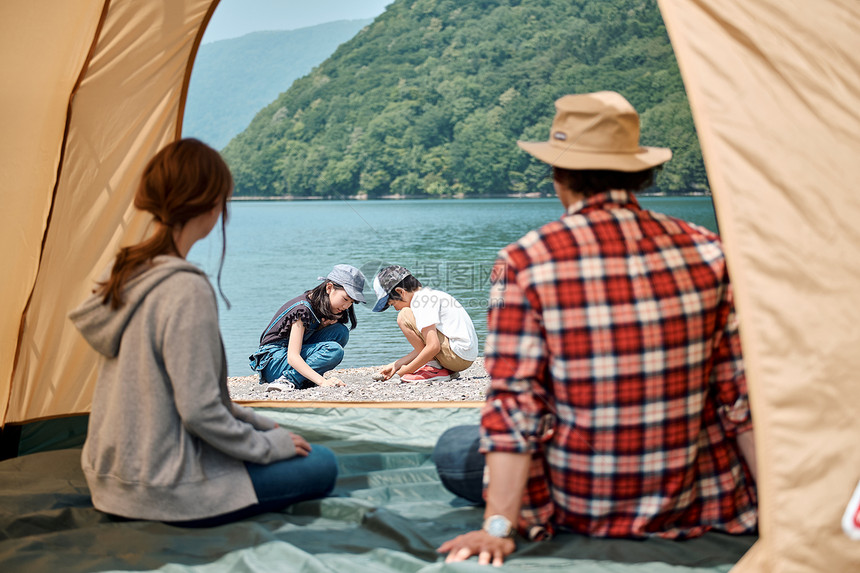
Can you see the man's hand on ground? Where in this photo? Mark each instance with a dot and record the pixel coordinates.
(489, 549)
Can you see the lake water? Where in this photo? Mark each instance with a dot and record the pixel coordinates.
(277, 249)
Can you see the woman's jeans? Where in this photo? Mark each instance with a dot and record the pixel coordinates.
(282, 483)
(322, 350)
(459, 463)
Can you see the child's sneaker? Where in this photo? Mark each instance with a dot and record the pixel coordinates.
(428, 374)
(282, 384)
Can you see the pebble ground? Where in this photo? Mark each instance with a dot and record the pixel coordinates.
(361, 387)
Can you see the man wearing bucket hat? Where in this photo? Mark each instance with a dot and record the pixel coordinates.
(618, 404)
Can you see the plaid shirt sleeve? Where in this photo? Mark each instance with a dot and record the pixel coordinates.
(516, 415)
(516, 359)
(728, 376)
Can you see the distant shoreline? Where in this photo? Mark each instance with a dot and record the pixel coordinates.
(436, 198)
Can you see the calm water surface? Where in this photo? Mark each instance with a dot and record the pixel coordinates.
(277, 249)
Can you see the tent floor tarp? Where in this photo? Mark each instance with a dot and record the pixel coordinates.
(388, 513)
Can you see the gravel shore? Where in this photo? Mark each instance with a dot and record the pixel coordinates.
(470, 386)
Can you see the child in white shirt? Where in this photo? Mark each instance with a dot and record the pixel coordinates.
(441, 333)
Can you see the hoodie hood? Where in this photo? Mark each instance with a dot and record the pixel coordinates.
(103, 327)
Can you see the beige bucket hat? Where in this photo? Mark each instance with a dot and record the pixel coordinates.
(596, 131)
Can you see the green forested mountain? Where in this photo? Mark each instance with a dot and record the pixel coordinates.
(431, 97)
(233, 79)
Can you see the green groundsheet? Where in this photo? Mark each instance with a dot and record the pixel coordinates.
(388, 514)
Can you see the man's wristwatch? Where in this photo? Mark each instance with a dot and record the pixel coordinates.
(499, 526)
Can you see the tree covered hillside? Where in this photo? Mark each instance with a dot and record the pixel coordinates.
(234, 78)
(431, 97)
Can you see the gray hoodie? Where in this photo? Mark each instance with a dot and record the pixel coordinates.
(165, 442)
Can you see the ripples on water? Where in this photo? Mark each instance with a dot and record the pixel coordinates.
(277, 249)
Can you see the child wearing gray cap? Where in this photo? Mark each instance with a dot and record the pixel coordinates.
(305, 338)
(441, 332)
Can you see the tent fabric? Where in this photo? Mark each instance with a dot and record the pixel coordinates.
(43, 53)
(94, 90)
(775, 93)
(388, 514)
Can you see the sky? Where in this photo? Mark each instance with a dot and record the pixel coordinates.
(234, 18)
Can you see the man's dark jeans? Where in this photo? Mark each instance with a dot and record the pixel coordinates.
(459, 464)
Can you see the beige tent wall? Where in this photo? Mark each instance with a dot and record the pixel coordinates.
(127, 106)
(44, 50)
(775, 92)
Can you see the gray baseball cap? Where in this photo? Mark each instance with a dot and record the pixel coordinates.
(384, 282)
(350, 278)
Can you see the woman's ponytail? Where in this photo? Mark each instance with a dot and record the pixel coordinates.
(185, 179)
(131, 260)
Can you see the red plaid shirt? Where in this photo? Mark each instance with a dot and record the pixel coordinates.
(617, 324)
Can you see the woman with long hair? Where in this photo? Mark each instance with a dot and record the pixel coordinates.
(165, 442)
